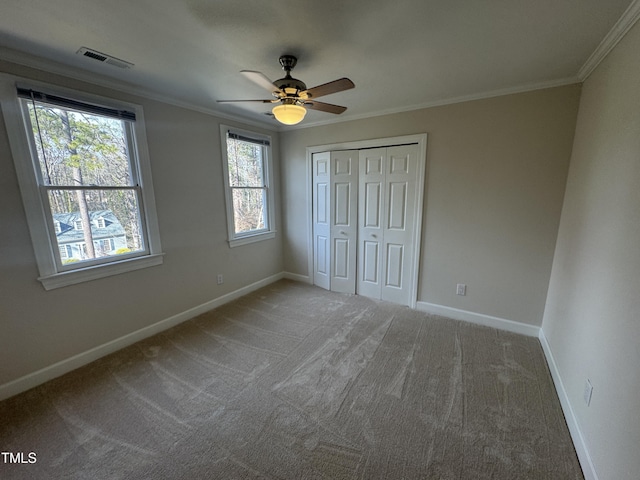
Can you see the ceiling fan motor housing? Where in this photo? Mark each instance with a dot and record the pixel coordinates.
(288, 62)
(288, 84)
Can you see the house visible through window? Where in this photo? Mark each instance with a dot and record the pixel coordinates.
(108, 234)
(247, 185)
(87, 173)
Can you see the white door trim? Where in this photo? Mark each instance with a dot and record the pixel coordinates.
(421, 140)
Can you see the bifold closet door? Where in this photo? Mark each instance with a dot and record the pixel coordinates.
(371, 187)
(335, 217)
(321, 219)
(386, 217)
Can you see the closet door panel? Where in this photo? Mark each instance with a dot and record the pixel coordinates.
(321, 220)
(394, 266)
(341, 258)
(344, 220)
(322, 247)
(372, 204)
(400, 210)
(370, 259)
(370, 220)
(397, 207)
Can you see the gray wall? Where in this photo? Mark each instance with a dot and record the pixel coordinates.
(496, 172)
(592, 320)
(40, 328)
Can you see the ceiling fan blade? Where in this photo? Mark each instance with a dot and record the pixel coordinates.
(258, 101)
(331, 87)
(324, 107)
(261, 79)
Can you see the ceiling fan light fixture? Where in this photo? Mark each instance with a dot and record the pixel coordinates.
(289, 114)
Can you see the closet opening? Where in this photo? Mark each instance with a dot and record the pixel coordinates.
(365, 218)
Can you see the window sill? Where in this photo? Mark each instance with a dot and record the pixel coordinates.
(58, 280)
(258, 237)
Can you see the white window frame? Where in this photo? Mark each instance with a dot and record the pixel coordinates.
(236, 239)
(39, 219)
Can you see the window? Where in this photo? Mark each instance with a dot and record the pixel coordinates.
(249, 196)
(81, 159)
(104, 246)
(65, 251)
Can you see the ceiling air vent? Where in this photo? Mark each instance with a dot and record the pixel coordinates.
(104, 58)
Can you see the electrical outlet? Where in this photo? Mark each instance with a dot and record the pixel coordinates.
(220, 279)
(461, 289)
(588, 390)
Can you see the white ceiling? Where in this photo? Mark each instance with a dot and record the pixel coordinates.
(401, 54)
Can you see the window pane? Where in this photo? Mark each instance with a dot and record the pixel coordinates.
(78, 148)
(249, 213)
(113, 216)
(244, 163)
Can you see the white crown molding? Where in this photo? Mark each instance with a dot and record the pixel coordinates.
(49, 66)
(619, 30)
(447, 101)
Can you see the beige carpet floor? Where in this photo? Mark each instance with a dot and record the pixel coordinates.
(294, 382)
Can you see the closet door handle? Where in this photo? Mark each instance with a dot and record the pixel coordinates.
(342, 232)
(374, 235)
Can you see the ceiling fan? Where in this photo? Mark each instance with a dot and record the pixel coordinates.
(292, 95)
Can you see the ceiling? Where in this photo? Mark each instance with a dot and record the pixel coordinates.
(401, 54)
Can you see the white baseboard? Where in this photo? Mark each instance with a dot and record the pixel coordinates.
(298, 278)
(579, 443)
(60, 368)
(479, 318)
